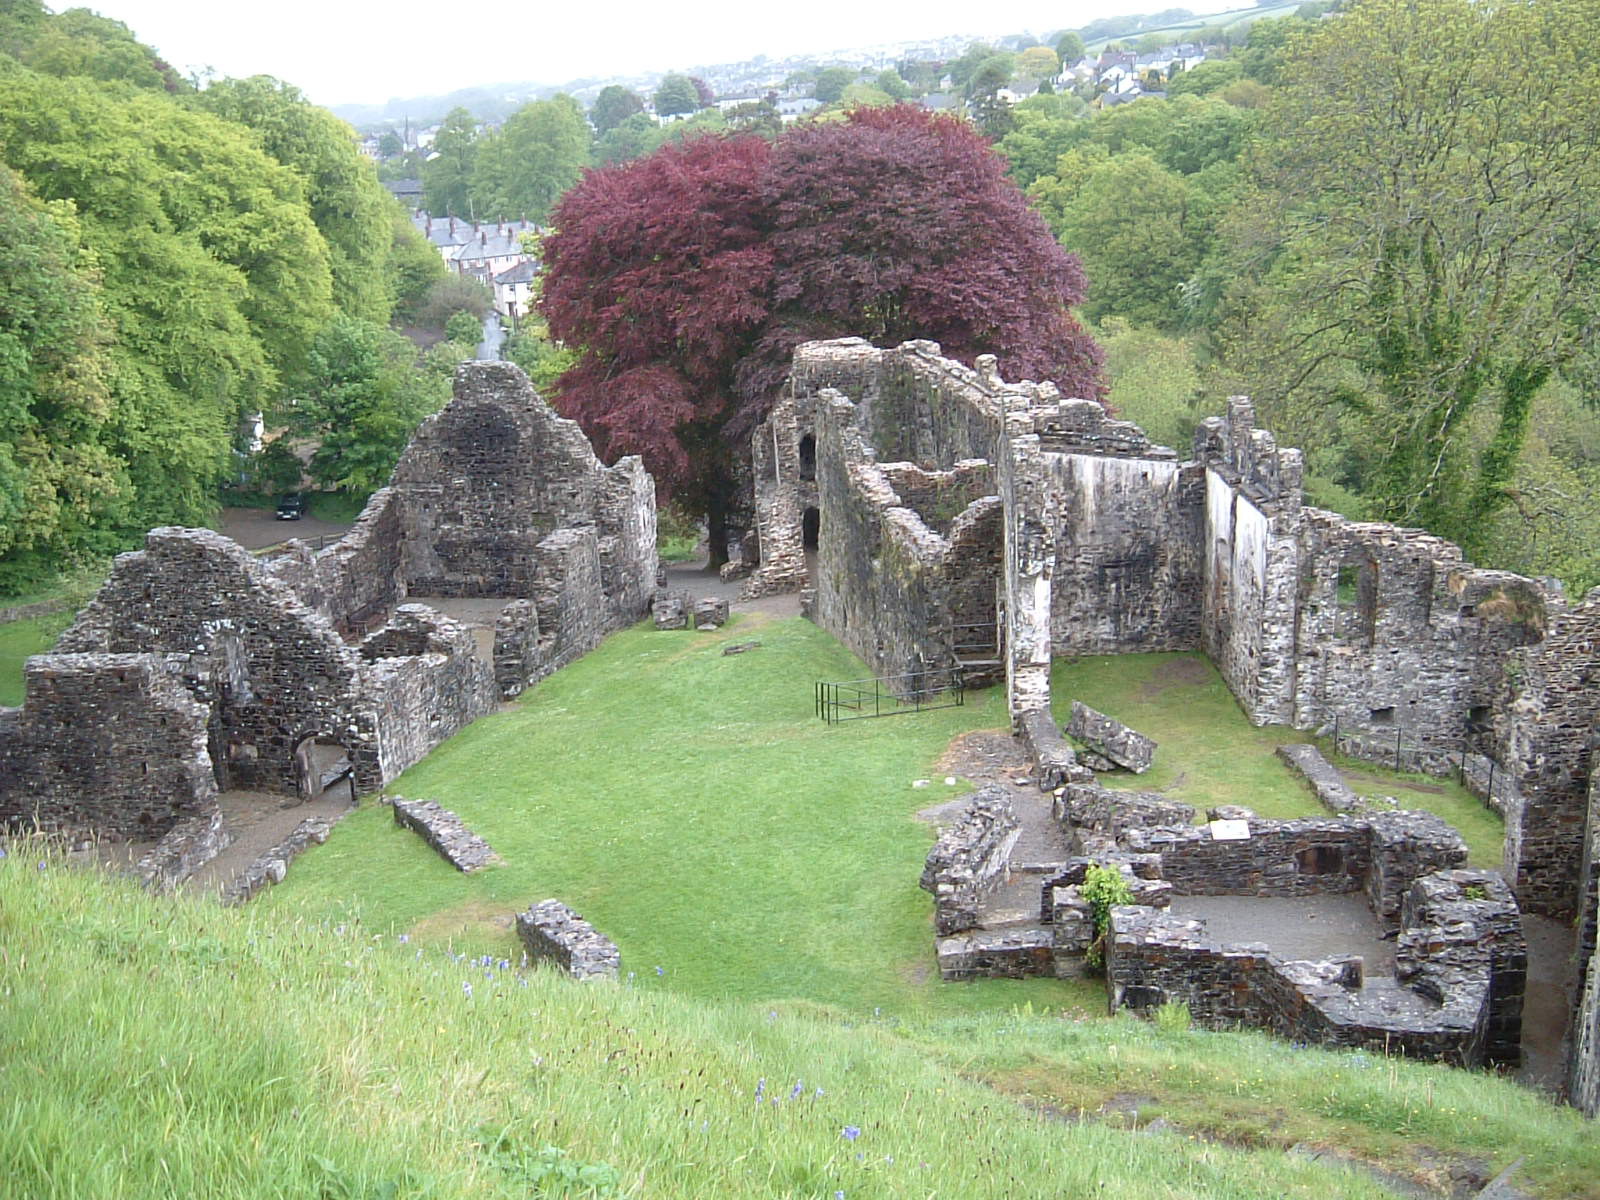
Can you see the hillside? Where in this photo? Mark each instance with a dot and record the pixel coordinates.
(367, 1028)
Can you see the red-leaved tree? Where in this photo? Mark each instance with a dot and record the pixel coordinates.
(686, 278)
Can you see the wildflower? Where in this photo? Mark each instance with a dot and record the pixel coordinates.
(851, 1133)
(839, 1195)
(794, 1093)
(467, 988)
(660, 971)
(404, 938)
(761, 1089)
(41, 866)
(505, 964)
(820, 1094)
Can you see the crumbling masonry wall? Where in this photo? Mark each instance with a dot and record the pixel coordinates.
(108, 742)
(495, 496)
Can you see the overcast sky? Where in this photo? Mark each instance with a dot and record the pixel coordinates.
(363, 51)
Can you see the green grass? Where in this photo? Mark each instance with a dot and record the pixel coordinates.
(173, 1048)
(693, 807)
(1208, 752)
(19, 640)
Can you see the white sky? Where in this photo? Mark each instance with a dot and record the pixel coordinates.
(366, 51)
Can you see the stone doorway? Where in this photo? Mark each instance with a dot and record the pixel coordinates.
(810, 527)
(322, 768)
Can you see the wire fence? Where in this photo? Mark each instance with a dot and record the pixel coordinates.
(889, 695)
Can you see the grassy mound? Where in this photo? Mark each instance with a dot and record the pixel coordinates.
(172, 1048)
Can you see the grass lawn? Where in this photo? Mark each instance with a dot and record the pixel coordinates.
(168, 1047)
(693, 807)
(1208, 752)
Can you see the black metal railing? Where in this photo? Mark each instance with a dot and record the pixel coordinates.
(889, 695)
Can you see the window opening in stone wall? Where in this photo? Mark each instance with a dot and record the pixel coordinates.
(810, 526)
(1381, 716)
(1357, 594)
(808, 457)
(1319, 860)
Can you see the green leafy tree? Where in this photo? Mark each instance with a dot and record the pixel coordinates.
(59, 481)
(1037, 62)
(465, 328)
(676, 96)
(831, 83)
(1430, 258)
(1129, 223)
(350, 208)
(613, 106)
(215, 278)
(83, 44)
(525, 165)
(1069, 46)
(636, 136)
(1155, 381)
(447, 176)
(891, 85)
(389, 144)
(414, 266)
(361, 397)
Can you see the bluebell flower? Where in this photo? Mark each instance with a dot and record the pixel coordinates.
(851, 1133)
(467, 988)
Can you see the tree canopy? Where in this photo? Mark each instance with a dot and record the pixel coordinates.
(612, 107)
(676, 95)
(1422, 260)
(892, 223)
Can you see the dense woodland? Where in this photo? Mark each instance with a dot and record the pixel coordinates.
(172, 262)
(1378, 222)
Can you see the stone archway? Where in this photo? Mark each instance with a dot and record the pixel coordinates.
(323, 766)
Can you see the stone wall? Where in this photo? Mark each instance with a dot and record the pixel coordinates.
(109, 743)
(551, 930)
(1155, 958)
(967, 858)
(1545, 731)
(494, 496)
(1253, 519)
(1380, 854)
(487, 479)
(356, 579)
(881, 587)
(426, 683)
(270, 669)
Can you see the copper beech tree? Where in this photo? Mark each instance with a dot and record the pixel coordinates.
(686, 278)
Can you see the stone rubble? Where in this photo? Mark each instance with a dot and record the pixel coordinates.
(550, 930)
(445, 833)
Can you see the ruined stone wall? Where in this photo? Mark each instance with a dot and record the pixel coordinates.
(968, 857)
(881, 586)
(485, 480)
(271, 669)
(425, 681)
(570, 578)
(1154, 958)
(939, 497)
(1545, 728)
(109, 743)
(1251, 567)
(1397, 635)
(1028, 580)
(1128, 564)
(1380, 854)
(360, 576)
(931, 410)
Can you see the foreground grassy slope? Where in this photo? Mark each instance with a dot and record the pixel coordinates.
(172, 1048)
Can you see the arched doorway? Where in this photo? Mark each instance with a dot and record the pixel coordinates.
(322, 767)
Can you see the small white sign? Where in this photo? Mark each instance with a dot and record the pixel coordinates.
(1230, 831)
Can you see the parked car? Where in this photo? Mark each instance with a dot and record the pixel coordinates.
(291, 507)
